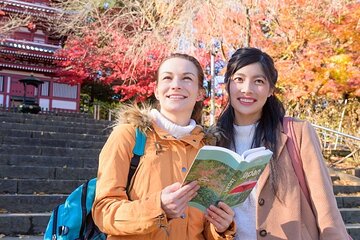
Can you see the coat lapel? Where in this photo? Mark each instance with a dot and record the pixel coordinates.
(266, 173)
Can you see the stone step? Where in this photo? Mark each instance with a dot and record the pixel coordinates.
(348, 201)
(353, 230)
(28, 203)
(19, 236)
(55, 128)
(65, 143)
(38, 186)
(56, 122)
(350, 215)
(336, 152)
(52, 135)
(69, 117)
(334, 178)
(12, 224)
(23, 223)
(342, 189)
(61, 173)
(48, 151)
(49, 161)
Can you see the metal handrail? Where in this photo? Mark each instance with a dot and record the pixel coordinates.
(337, 132)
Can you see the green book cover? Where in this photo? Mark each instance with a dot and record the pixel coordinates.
(224, 175)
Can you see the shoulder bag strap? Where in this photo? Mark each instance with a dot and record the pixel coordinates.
(294, 152)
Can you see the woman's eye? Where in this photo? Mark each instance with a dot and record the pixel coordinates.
(188, 79)
(238, 79)
(259, 81)
(166, 78)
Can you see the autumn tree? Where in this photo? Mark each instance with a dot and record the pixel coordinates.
(315, 45)
(317, 55)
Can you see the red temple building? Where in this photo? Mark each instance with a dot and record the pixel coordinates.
(29, 52)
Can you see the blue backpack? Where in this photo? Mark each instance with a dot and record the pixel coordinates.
(72, 219)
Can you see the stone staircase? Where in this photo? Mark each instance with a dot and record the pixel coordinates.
(43, 158)
(348, 201)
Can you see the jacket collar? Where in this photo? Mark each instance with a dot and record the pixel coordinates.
(136, 116)
(194, 138)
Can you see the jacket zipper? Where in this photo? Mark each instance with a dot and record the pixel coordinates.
(163, 226)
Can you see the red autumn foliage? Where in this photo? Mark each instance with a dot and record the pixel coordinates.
(31, 26)
(95, 57)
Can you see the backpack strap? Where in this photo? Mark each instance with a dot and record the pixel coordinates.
(138, 151)
(54, 225)
(294, 151)
(83, 206)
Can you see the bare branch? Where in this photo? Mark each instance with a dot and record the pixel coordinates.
(12, 23)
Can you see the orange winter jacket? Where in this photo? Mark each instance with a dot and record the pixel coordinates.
(166, 161)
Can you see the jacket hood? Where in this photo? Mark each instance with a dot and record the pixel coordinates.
(134, 115)
(213, 134)
(142, 118)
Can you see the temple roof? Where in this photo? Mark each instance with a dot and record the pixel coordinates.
(26, 55)
(27, 68)
(29, 45)
(29, 55)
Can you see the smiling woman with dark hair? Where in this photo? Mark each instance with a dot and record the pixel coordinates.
(253, 117)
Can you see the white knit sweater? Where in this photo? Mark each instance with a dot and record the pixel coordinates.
(245, 213)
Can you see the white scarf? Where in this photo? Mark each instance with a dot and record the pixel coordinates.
(175, 130)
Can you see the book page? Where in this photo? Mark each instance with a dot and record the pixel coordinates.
(261, 153)
(250, 151)
(221, 154)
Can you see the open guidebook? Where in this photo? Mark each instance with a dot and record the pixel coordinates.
(224, 175)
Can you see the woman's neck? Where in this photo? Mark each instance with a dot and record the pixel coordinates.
(246, 119)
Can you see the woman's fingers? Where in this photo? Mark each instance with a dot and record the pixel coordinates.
(221, 217)
(226, 210)
(174, 198)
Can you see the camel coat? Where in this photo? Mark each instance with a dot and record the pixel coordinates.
(290, 216)
(166, 161)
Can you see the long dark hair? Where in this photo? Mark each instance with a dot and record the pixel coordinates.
(273, 111)
(198, 108)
